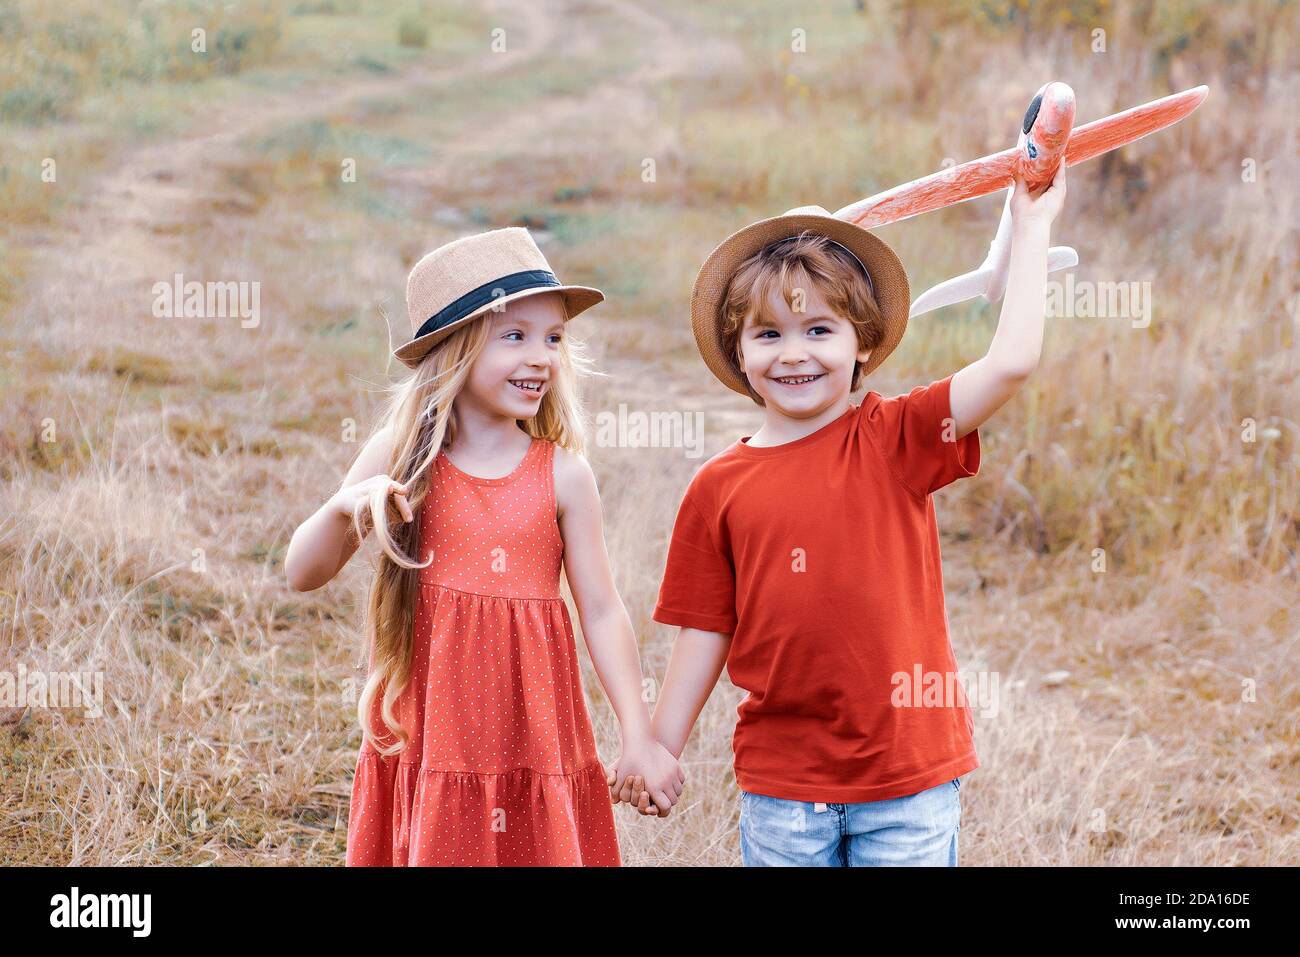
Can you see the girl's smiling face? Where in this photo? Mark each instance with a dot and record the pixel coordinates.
(520, 357)
(800, 362)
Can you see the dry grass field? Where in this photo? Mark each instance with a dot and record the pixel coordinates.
(1124, 564)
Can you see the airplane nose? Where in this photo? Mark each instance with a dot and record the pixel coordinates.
(1046, 131)
(1031, 114)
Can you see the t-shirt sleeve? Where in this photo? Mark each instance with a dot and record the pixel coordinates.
(699, 584)
(918, 436)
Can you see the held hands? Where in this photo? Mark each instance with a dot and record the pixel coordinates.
(1042, 208)
(646, 775)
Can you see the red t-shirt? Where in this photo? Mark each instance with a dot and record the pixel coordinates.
(821, 558)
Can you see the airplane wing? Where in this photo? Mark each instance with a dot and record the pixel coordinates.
(990, 173)
(990, 280)
(1035, 159)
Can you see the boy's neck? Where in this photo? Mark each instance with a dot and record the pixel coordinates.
(779, 428)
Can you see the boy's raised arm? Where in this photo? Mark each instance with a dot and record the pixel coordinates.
(984, 386)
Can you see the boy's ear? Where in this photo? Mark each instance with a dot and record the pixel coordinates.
(740, 365)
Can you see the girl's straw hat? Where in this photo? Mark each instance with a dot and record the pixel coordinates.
(885, 275)
(462, 280)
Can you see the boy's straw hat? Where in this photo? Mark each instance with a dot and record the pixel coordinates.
(462, 280)
(887, 278)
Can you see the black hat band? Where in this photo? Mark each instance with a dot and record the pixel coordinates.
(477, 298)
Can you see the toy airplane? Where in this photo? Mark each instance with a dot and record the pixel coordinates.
(1047, 139)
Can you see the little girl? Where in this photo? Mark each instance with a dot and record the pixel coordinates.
(477, 747)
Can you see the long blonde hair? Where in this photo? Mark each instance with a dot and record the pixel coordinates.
(420, 413)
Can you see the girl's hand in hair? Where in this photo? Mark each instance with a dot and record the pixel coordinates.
(347, 499)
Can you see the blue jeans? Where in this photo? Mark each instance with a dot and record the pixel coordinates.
(917, 830)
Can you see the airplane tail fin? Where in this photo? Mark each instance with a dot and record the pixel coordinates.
(976, 283)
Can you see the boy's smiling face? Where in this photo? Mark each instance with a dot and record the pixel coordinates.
(800, 362)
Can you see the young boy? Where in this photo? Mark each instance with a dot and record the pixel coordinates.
(806, 556)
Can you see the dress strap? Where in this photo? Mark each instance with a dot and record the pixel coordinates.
(544, 468)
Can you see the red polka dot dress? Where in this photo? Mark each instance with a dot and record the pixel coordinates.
(501, 768)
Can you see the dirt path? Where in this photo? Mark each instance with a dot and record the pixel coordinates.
(667, 53)
(126, 227)
(139, 216)
(123, 226)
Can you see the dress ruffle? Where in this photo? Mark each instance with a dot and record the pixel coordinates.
(467, 818)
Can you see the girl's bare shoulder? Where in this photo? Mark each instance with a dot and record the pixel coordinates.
(374, 457)
(575, 482)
